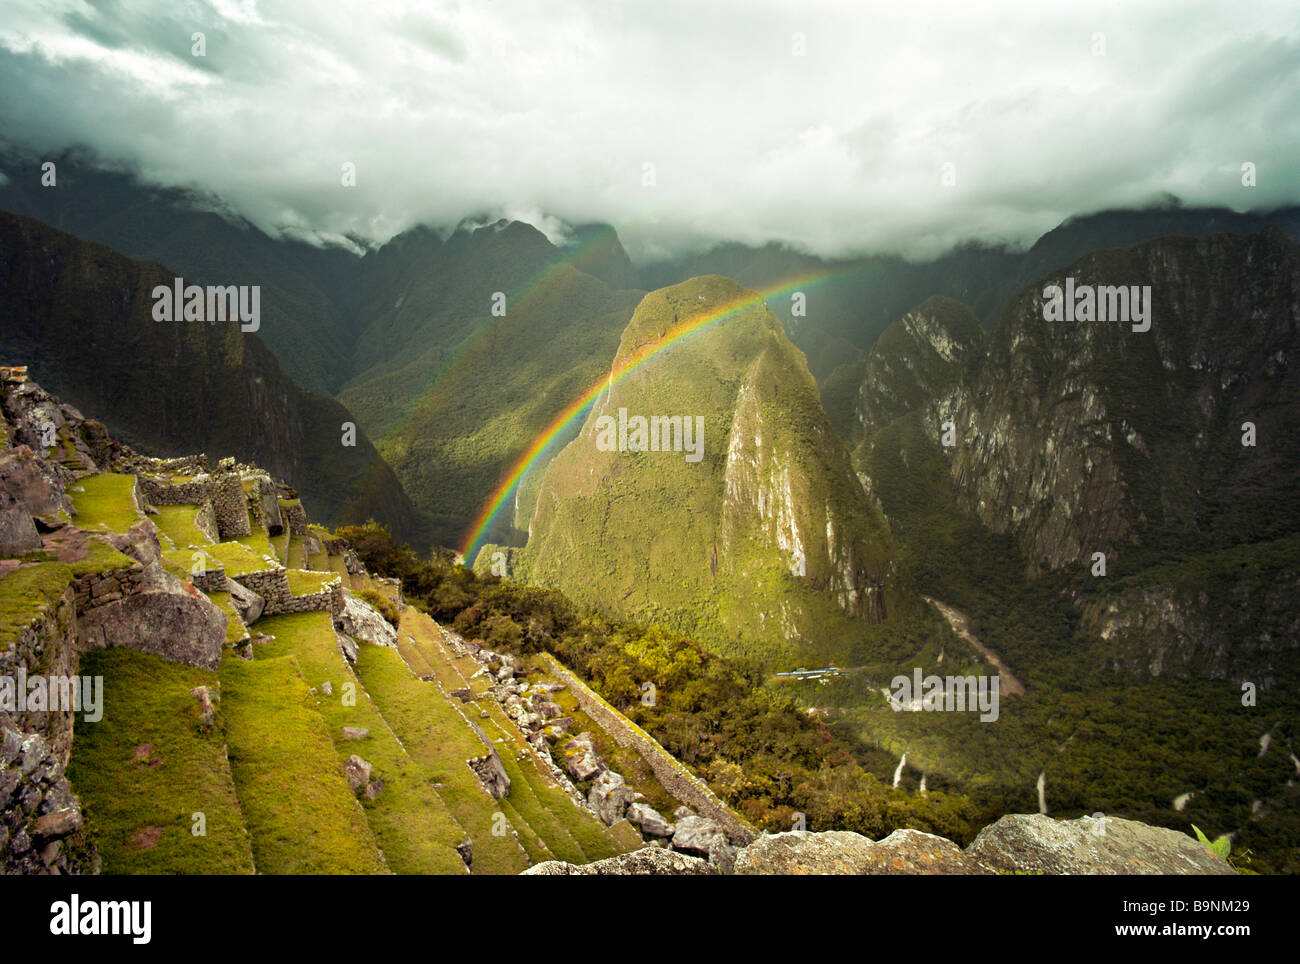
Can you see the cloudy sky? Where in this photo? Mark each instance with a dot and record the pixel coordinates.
(832, 126)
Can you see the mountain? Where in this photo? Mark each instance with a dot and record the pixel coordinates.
(1162, 449)
(80, 316)
(755, 538)
(305, 289)
(851, 300)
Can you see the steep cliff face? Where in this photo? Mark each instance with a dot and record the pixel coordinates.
(80, 316)
(1090, 436)
(762, 540)
(1161, 442)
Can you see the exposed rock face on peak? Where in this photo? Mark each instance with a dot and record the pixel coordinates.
(1085, 436)
(1152, 449)
(759, 536)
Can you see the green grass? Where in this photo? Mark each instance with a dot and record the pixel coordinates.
(25, 591)
(259, 542)
(319, 561)
(573, 834)
(235, 630)
(100, 557)
(297, 804)
(233, 556)
(297, 553)
(176, 522)
(305, 583)
(146, 768)
(106, 503)
(414, 827)
(436, 736)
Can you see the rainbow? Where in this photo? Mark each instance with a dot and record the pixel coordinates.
(574, 413)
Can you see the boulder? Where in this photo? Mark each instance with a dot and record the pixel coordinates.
(355, 732)
(167, 617)
(1037, 843)
(357, 771)
(802, 852)
(247, 603)
(610, 796)
(18, 534)
(648, 861)
(581, 759)
(347, 646)
(207, 712)
(32, 484)
(650, 820)
(361, 620)
(698, 836)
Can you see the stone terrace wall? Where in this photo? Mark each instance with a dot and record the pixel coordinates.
(329, 599)
(210, 580)
(231, 507)
(295, 518)
(271, 584)
(676, 779)
(225, 493)
(38, 810)
(100, 588)
(45, 647)
(205, 519)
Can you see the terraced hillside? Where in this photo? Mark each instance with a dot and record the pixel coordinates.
(311, 735)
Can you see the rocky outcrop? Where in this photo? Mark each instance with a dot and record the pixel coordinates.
(649, 861)
(40, 816)
(360, 620)
(1036, 843)
(166, 616)
(1017, 843)
(801, 852)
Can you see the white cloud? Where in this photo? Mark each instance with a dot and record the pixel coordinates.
(510, 107)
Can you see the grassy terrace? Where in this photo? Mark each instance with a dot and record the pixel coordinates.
(235, 557)
(105, 502)
(437, 737)
(176, 522)
(146, 768)
(235, 629)
(414, 827)
(303, 583)
(546, 806)
(296, 801)
(26, 591)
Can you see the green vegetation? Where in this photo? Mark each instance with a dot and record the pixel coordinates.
(387, 608)
(303, 583)
(296, 802)
(106, 502)
(691, 546)
(437, 737)
(413, 826)
(176, 522)
(757, 748)
(26, 591)
(148, 767)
